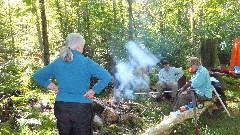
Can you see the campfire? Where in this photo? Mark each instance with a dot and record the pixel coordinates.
(108, 111)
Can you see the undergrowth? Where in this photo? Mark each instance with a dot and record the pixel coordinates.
(219, 123)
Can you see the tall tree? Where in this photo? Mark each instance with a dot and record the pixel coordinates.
(11, 30)
(40, 39)
(192, 26)
(209, 53)
(130, 19)
(78, 17)
(46, 54)
(114, 12)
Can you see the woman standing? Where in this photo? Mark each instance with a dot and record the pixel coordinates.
(72, 70)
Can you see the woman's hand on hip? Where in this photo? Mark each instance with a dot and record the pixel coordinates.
(89, 94)
(53, 87)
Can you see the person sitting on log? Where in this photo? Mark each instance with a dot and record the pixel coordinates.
(168, 79)
(200, 82)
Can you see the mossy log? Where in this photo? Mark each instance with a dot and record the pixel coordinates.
(165, 127)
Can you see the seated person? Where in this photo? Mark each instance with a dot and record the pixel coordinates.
(168, 78)
(200, 82)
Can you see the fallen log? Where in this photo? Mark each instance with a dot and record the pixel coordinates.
(165, 127)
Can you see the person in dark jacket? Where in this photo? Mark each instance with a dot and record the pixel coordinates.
(72, 70)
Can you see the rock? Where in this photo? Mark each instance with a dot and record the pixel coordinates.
(97, 122)
(110, 116)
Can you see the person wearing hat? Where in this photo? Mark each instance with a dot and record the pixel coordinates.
(168, 78)
(200, 82)
(72, 71)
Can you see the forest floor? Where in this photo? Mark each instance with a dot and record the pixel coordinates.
(217, 123)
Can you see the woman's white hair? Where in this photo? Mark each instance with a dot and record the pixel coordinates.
(73, 41)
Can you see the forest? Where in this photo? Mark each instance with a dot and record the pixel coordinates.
(32, 32)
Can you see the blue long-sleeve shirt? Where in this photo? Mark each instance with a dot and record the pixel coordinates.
(73, 77)
(201, 82)
(171, 75)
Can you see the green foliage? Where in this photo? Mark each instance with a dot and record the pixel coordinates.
(22, 108)
(231, 83)
(16, 74)
(112, 129)
(5, 128)
(10, 77)
(224, 53)
(162, 26)
(151, 114)
(153, 73)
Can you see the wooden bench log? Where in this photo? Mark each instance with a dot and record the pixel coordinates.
(165, 127)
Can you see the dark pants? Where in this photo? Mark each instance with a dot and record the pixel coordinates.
(184, 99)
(73, 118)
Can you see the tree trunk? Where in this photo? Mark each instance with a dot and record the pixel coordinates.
(130, 26)
(87, 33)
(200, 17)
(40, 40)
(61, 20)
(223, 14)
(114, 12)
(166, 126)
(60, 17)
(78, 18)
(180, 20)
(179, 14)
(192, 28)
(11, 30)
(209, 53)
(46, 54)
(161, 20)
(86, 20)
(186, 14)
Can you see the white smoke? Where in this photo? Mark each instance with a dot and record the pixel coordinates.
(141, 54)
(132, 75)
